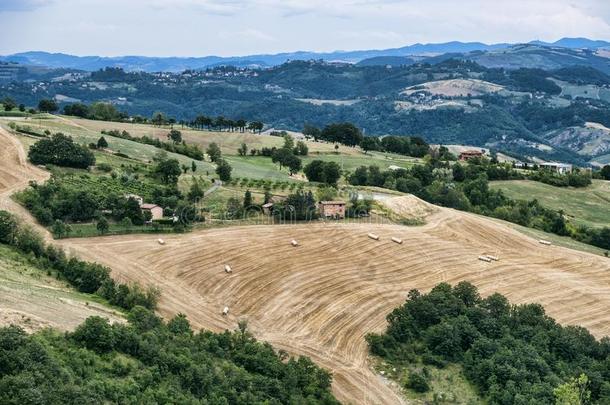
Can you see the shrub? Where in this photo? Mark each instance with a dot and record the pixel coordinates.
(418, 382)
(104, 167)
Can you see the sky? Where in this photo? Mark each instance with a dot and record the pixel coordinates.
(245, 27)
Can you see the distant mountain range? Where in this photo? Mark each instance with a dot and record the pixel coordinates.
(403, 55)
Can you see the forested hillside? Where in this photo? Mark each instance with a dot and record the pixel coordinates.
(512, 354)
(150, 361)
(447, 99)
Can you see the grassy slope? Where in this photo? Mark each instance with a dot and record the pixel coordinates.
(87, 131)
(587, 206)
(448, 384)
(32, 299)
(84, 135)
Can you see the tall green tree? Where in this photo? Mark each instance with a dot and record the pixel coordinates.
(213, 151)
(301, 149)
(168, 170)
(247, 199)
(159, 119)
(102, 143)
(223, 170)
(102, 225)
(195, 192)
(175, 136)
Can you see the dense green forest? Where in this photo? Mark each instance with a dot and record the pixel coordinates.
(512, 120)
(152, 361)
(512, 354)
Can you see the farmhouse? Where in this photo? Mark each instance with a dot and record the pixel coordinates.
(155, 211)
(559, 168)
(332, 209)
(470, 154)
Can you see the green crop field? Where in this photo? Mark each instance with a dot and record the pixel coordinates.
(353, 161)
(256, 167)
(587, 206)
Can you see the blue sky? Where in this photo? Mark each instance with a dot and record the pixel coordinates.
(240, 27)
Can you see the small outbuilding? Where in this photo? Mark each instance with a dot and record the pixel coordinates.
(559, 168)
(471, 154)
(155, 211)
(332, 209)
(268, 208)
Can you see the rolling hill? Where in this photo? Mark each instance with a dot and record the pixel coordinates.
(529, 100)
(299, 301)
(177, 64)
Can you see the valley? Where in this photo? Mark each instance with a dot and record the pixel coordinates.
(281, 203)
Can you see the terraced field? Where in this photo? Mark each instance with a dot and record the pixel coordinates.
(322, 297)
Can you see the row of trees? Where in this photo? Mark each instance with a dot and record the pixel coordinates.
(108, 112)
(221, 123)
(574, 179)
(175, 145)
(348, 134)
(402, 145)
(512, 354)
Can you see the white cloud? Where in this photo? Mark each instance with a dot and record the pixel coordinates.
(233, 27)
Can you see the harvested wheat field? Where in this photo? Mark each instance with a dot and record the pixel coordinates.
(321, 298)
(301, 300)
(15, 174)
(15, 171)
